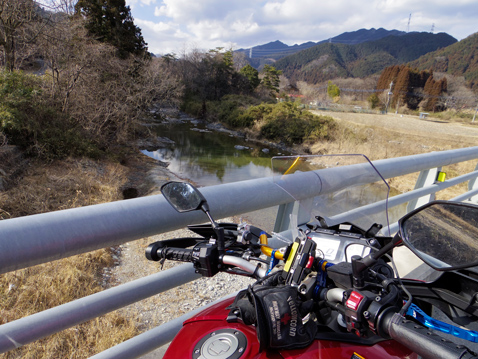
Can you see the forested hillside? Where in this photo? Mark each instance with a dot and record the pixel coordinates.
(267, 53)
(329, 60)
(460, 59)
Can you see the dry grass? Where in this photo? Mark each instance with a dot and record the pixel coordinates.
(380, 142)
(61, 185)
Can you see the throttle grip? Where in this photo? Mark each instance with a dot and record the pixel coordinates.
(421, 340)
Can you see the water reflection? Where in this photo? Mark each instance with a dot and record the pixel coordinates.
(211, 157)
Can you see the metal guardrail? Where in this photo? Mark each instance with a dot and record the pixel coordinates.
(32, 240)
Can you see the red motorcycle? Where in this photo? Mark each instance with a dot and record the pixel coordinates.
(332, 291)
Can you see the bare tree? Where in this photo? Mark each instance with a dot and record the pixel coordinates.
(240, 60)
(15, 15)
(98, 91)
(65, 6)
(311, 92)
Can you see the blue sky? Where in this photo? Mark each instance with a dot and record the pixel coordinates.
(181, 25)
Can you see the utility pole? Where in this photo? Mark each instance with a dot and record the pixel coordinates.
(408, 26)
(474, 116)
(388, 97)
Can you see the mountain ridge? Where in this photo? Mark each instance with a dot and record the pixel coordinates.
(328, 60)
(277, 49)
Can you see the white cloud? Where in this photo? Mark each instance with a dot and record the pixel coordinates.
(168, 24)
(133, 3)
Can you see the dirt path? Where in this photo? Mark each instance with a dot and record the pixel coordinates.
(407, 124)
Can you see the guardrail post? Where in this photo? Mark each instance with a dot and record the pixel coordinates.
(297, 209)
(473, 184)
(425, 178)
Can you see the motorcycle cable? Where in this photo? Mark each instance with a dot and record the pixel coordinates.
(405, 307)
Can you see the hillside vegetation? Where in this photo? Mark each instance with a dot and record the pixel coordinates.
(460, 59)
(328, 61)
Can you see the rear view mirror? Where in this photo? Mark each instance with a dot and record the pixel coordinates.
(443, 234)
(183, 196)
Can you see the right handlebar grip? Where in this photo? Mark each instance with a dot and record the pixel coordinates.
(421, 340)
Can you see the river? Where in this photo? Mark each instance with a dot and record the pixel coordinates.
(208, 156)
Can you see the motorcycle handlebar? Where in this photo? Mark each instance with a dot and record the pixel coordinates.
(420, 339)
(245, 265)
(156, 252)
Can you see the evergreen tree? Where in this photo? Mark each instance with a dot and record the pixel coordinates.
(252, 75)
(333, 90)
(271, 79)
(110, 21)
(401, 86)
(434, 89)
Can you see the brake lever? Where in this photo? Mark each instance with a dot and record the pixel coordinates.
(432, 323)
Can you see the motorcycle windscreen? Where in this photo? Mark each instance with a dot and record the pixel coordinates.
(336, 188)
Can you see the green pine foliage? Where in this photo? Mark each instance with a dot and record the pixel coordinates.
(252, 76)
(271, 79)
(110, 21)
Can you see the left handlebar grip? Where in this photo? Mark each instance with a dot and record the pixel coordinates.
(157, 251)
(177, 254)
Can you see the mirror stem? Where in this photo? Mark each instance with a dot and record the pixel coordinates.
(361, 264)
(220, 240)
(358, 267)
(218, 229)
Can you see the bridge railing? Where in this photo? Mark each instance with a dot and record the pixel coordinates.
(36, 239)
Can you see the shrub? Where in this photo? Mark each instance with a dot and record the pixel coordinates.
(192, 105)
(333, 90)
(288, 123)
(38, 127)
(373, 100)
(229, 110)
